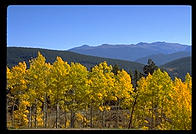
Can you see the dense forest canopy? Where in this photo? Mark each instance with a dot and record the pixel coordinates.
(68, 95)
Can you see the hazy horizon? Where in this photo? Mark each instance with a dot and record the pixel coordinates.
(94, 45)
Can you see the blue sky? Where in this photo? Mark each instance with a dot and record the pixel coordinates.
(67, 26)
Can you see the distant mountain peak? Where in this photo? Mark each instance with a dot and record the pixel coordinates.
(105, 45)
(81, 47)
(130, 52)
(85, 45)
(141, 43)
(160, 43)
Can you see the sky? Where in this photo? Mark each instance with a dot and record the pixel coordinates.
(63, 27)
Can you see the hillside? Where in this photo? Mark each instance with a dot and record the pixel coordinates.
(161, 59)
(18, 54)
(179, 67)
(131, 52)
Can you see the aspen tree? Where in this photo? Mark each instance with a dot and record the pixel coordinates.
(58, 85)
(17, 94)
(78, 84)
(153, 99)
(37, 87)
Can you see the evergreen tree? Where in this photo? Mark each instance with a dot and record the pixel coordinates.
(132, 77)
(150, 67)
(115, 69)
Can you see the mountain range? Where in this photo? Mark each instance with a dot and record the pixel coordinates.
(159, 52)
(176, 68)
(161, 59)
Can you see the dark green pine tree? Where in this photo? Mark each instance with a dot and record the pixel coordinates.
(137, 76)
(115, 69)
(150, 67)
(132, 77)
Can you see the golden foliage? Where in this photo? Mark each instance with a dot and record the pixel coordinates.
(161, 103)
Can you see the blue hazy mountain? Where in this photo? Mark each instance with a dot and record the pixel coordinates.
(161, 59)
(132, 52)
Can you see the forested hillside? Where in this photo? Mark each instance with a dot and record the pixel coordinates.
(161, 59)
(19, 54)
(179, 67)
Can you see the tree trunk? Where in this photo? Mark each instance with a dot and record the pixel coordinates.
(7, 100)
(117, 117)
(116, 120)
(65, 115)
(103, 117)
(13, 122)
(86, 115)
(35, 113)
(152, 118)
(132, 111)
(45, 111)
(30, 117)
(57, 115)
(72, 119)
(91, 115)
